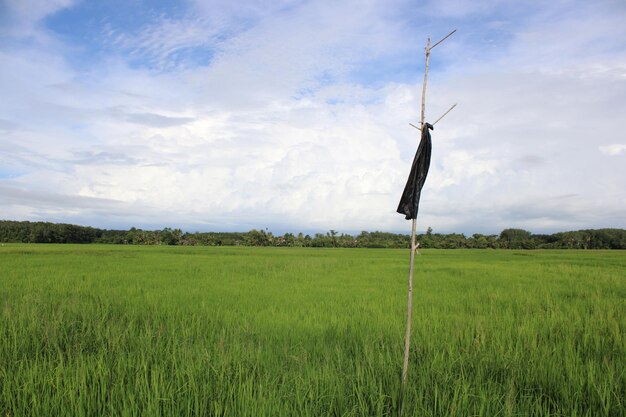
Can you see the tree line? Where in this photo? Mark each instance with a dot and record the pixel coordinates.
(44, 232)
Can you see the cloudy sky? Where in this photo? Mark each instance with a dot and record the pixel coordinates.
(293, 115)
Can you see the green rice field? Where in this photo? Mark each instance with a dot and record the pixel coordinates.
(103, 330)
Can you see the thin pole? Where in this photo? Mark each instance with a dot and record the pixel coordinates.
(407, 336)
(414, 244)
(425, 81)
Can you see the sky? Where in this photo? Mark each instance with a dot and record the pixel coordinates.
(293, 116)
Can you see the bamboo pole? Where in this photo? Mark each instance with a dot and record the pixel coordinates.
(414, 244)
(407, 336)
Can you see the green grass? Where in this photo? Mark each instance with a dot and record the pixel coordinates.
(206, 331)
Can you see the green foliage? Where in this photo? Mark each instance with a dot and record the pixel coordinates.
(43, 232)
(225, 331)
(516, 239)
(39, 232)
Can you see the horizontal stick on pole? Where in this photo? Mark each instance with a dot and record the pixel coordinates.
(443, 39)
(442, 116)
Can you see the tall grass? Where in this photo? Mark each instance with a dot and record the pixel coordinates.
(199, 331)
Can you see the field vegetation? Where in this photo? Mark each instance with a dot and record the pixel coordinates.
(110, 330)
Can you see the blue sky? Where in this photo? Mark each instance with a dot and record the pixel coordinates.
(293, 115)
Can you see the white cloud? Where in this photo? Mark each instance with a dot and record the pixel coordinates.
(274, 131)
(163, 43)
(613, 149)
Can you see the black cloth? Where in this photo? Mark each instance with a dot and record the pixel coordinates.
(409, 203)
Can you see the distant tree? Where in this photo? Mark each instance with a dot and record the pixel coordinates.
(478, 241)
(321, 241)
(257, 238)
(346, 241)
(362, 240)
(454, 241)
(45, 232)
(170, 236)
(332, 235)
(514, 238)
(289, 239)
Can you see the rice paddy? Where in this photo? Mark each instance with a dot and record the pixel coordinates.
(90, 330)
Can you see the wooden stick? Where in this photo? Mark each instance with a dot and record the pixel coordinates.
(407, 336)
(443, 39)
(414, 244)
(442, 116)
(428, 48)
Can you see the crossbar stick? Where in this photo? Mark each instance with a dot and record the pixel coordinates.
(443, 39)
(441, 117)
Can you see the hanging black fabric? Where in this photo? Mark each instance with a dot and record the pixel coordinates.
(409, 203)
